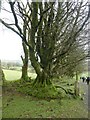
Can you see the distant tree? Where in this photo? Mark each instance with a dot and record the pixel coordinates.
(18, 64)
(71, 61)
(9, 65)
(75, 62)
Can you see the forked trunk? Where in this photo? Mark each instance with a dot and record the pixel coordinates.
(42, 79)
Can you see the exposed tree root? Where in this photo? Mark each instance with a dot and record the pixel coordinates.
(68, 91)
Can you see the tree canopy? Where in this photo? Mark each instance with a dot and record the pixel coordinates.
(53, 33)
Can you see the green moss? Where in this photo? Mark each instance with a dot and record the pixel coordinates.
(48, 91)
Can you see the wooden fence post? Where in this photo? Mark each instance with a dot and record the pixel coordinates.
(76, 87)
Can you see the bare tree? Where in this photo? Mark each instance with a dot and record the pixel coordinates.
(51, 30)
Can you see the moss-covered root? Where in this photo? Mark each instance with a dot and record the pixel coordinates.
(48, 91)
(40, 91)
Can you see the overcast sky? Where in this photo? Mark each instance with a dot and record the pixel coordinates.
(10, 43)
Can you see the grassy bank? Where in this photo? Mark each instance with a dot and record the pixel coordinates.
(18, 105)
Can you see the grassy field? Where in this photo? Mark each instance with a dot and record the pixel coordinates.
(18, 105)
(14, 74)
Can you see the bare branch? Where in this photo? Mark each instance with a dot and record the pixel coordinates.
(15, 16)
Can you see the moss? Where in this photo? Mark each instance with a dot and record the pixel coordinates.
(39, 91)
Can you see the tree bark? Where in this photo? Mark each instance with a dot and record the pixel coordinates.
(24, 71)
(42, 79)
(25, 59)
(25, 63)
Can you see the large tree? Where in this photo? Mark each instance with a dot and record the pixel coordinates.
(52, 28)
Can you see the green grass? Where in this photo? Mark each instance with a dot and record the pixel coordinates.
(32, 75)
(17, 106)
(85, 74)
(14, 74)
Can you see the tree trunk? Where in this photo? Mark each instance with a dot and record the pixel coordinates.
(39, 67)
(25, 63)
(24, 71)
(76, 75)
(42, 79)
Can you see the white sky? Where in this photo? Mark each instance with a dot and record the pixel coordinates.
(10, 43)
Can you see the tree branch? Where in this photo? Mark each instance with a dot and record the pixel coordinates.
(15, 16)
(8, 26)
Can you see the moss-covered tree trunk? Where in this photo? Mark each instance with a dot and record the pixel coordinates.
(24, 71)
(42, 79)
(25, 63)
(41, 44)
(25, 58)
